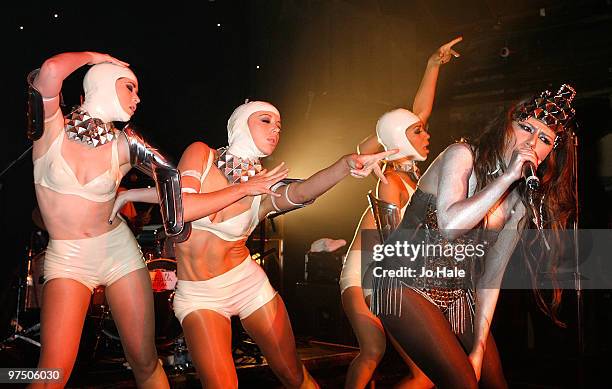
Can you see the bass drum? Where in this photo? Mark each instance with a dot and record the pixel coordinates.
(163, 282)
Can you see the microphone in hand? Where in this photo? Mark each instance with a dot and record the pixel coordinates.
(529, 174)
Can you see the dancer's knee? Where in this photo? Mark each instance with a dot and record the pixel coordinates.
(143, 365)
(373, 351)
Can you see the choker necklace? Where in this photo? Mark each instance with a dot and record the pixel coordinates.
(234, 168)
(406, 166)
(409, 167)
(80, 127)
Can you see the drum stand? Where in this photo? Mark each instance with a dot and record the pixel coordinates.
(244, 348)
(181, 360)
(21, 333)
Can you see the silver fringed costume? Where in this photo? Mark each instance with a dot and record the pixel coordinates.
(455, 297)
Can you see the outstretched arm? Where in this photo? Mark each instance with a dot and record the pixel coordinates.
(369, 145)
(297, 194)
(423, 101)
(197, 205)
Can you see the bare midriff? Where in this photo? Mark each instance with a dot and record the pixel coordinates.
(73, 217)
(204, 256)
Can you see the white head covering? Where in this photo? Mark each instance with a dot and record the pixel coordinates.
(240, 140)
(101, 100)
(391, 131)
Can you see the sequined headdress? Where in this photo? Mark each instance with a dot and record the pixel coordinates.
(553, 110)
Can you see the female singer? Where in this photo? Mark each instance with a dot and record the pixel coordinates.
(474, 196)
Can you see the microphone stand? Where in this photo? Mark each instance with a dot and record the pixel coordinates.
(10, 165)
(577, 273)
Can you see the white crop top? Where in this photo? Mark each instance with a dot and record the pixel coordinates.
(52, 171)
(235, 228)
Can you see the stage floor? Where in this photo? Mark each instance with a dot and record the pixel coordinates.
(327, 362)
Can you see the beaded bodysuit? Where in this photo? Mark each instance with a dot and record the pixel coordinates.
(454, 296)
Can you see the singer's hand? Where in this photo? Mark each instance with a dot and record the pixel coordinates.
(521, 155)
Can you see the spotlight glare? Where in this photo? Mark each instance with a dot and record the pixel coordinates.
(55, 16)
(21, 27)
(218, 24)
(257, 66)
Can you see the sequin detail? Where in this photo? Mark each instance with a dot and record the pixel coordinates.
(236, 169)
(80, 127)
(455, 297)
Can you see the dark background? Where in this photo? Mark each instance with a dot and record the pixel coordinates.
(332, 68)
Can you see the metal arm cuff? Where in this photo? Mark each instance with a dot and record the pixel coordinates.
(35, 120)
(152, 162)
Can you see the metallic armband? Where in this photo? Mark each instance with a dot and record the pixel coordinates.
(386, 216)
(286, 183)
(35, 120)
(153, 163)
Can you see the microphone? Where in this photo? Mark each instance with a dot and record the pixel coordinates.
(529, 173)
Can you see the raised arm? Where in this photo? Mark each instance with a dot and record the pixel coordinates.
(56, 69)
(424, 98)
(369, 145)
(487, 289)
(455, 210)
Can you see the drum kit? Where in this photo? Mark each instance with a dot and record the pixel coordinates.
(160, 262)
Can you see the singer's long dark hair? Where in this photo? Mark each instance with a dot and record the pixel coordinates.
(555, 198)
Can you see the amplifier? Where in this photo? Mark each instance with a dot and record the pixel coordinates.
(323, 267)
(319, 314)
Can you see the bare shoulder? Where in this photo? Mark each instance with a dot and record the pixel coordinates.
(456, 158)
(394, 181)
(457, 153)
(197, 151)
(197, 148)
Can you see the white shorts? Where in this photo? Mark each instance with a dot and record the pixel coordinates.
(351, 272)
(100, 260)
(240, 291)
